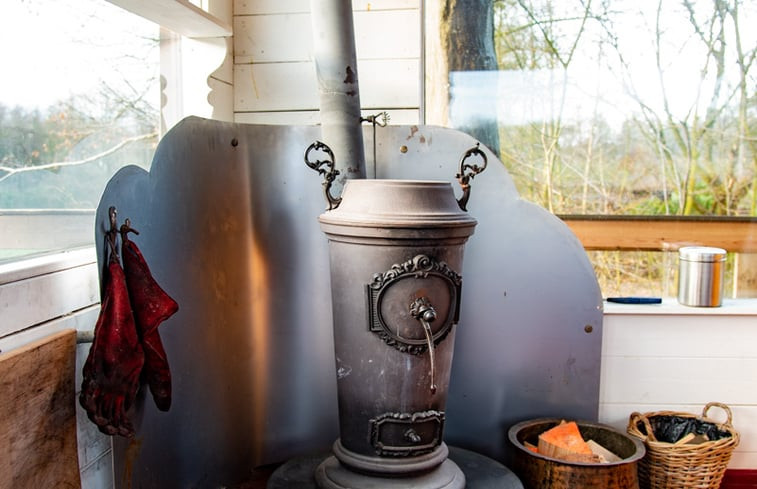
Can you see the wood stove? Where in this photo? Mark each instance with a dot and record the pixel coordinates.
(396, 251)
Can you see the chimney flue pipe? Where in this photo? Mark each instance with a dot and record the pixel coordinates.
(336, 70)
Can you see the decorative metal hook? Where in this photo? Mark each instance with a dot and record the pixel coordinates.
(329, 172)
(111, 235)
(468, 172)
(381, 120)
(126, 229)
(374, 119)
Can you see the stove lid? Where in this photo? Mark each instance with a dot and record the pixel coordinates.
(410, 204)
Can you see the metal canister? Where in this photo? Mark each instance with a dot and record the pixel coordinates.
(701, 272)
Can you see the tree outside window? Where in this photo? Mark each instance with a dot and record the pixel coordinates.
(79, 99)
(608, 107)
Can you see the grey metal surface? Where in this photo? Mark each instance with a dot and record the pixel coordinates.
(335, 62)
(231, 232)
(529, 297)
(396, 248)
(332, 474)
(701, 272)
(480, 472)
(228, 223)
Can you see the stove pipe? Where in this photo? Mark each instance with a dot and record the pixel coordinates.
(336, 70)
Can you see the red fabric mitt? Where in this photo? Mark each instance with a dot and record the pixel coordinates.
(111, 371)
(151, 306)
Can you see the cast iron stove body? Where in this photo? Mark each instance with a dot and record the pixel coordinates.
(396, 255)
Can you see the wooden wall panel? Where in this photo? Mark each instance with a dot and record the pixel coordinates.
(278, 38)
(387, 84)
(274, 87)
(273, 60)
(678, 335)
(670, 380)
(33, 301)
(264, 7)
(678, 358)
(307, 117)
(272, 38)
(292, 86)
(383, 34)
(260, 7)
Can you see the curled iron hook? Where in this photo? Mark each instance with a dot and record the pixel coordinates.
(374, 119)
(126, 229)
(468, 172)
(326, 168)
(111, 235)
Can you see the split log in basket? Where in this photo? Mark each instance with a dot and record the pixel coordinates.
(564, 442)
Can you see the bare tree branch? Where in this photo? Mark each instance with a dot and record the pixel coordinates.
(61, 164)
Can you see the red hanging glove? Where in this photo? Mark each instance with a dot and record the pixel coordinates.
(115, 360)
(151, 306)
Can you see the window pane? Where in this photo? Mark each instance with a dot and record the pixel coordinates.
(611, 107)
(81, 100)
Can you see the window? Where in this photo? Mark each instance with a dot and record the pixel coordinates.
(79, 99)
(613, 108)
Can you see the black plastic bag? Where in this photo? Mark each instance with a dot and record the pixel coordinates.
(670, 429)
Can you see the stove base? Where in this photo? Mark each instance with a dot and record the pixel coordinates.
(333, 475)
(480, 473)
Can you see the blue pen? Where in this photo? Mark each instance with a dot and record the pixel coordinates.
(635, 300)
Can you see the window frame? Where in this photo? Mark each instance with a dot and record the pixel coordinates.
(662, 233)
(47, 291)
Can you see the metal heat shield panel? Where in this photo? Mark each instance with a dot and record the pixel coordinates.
(228, 224)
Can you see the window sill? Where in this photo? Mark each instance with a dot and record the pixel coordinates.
(40, 290)
(671, 307)
(43, 264)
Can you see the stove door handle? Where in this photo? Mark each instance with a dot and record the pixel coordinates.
(422, 310)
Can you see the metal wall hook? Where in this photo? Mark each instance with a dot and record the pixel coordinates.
(126, 229)
(329, 172)
(111, 236)
(374, 119)
(468, 172)
(381, 120)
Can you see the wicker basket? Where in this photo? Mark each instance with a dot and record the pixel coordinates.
(670, 465)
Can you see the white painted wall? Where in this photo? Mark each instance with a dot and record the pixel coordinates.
(677, 358)
(274, 74)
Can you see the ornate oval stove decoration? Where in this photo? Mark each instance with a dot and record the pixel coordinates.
(392, 293)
